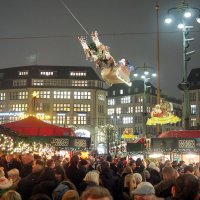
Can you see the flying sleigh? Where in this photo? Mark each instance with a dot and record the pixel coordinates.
(112, 72)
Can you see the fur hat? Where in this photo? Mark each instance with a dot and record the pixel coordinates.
(4, 182)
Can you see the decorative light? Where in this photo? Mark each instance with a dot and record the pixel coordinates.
(146, 72)
(198, 19)
(135, 75)
(154, 75)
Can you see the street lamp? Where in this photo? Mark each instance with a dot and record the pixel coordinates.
(184, 11)
(145, 73)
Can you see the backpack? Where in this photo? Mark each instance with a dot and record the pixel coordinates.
(63, 187)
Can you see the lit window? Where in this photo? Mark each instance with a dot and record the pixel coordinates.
(118, 110)
(61, 107)
(42, 107)
(46, 73)
(130, 110)
(61, 119)
(111, 111)
(126, 100)
(113, 92)
(79, 83)
(193, 121)
(111, 102)
(138, 99)
(138, 109)
(82, 107)
(18, 107)
(19, 82)
(77, 73)
(193, 109)
(2, 107)
(23, 73)
(121, 91)
(42, 94)
(127, 120)
(38, 82)
(18, 95)
(82, 95)
(101, 97)
(81, 119)
(2, 96)
(61, 94)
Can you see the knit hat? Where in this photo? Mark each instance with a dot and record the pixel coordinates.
(144, 188)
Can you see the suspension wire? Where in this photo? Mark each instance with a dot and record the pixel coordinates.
(65, 6)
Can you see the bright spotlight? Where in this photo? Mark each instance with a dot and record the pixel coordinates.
(181, 26)
(187, 14)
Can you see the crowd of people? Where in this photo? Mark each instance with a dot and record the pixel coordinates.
(30, 177)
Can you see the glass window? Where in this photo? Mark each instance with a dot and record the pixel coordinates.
(111, 111)
(118, 110)
(81, 119)
(193, 109)
(127, 120)
(121, 91)
(82, 107)
(2, 96)
(193, 121)
(18, 95)
(38, 82)
(78, 73)
(23, 73)
(111, 102)
(46, 73)
(138, 109)
(61, 94)
(79, 83)
(42, 94)
(19, 82)
(126, 99)
(2, 107)
(18, 107)
(61, 107)
(101, 97)
(82, 95)
(61, 119)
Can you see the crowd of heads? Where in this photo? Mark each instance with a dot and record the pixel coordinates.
(31, 177)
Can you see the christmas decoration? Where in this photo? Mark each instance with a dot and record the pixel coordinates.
(111, 71)
(162, 114)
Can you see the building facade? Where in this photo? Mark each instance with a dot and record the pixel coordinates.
(194, 98)
(64, 96)
(126, 108)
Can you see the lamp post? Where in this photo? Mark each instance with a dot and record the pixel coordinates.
(184, 11)
(145, 73)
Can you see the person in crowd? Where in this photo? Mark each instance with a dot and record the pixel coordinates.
(13, 174)
(10, 162)
(132, 164)
(138, 178)
(188, 170)
(83, 165)
(129, 186)
(163, 189)
(144, 191)
(154, 172)
(5, 184)
(96, 193)
(196, 171)
(70, 195)
(74, 173)
(27, 184)
(126, 170)
(27, 161)
(47, 180)
(59, 174)
(186, 188)
(11, 195)
(40, 197)
(140, 168)
(91, 179)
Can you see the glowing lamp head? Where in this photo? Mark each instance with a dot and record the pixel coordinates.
(168, 20)
(34, 94)
(198, 19)
(181, 26)
(187, 14)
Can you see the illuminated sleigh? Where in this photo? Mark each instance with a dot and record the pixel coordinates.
(111, 72)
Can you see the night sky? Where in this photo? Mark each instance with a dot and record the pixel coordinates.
(43, 32)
